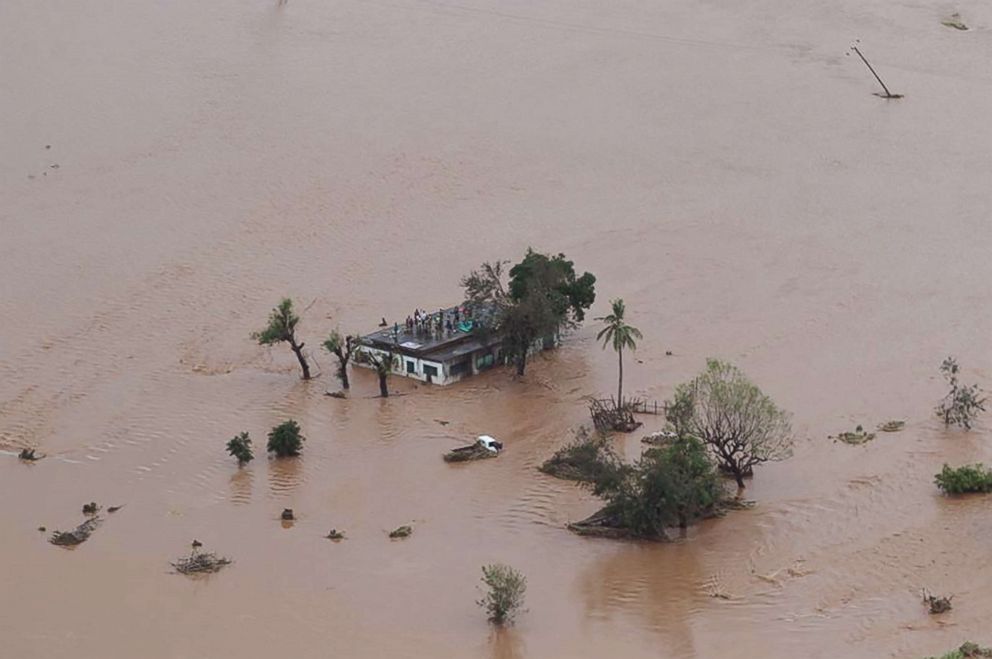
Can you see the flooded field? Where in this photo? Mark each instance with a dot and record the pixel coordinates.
(170, 170)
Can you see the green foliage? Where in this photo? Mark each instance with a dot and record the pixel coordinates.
(553, 278)
(968, 650)
(670, 486)
(484, 287)
(504, 596)
(741, 425)
(962, 403)
(240, 448)
(341, 347)
(616, 331)
(588, 458)
(964, 480)
(282, 325)
(543, 296)
(285, 439)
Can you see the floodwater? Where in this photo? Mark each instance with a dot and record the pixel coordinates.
(169, 170)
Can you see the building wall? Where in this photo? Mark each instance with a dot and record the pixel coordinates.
(421, 367)
(480, 360)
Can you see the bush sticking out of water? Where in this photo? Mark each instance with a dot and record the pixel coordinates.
(584, 459)
(91, 508)
(285, 440)
(404, 531)
(859, 436)
(968, 479)
(967, 651)
(937, 605)
(892, 426)
(335, 535)
(240, 447)
(28, 455)
(962, 403)
(504, 597)
(200, 562)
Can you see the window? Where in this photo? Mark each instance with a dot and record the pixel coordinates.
(484, 362)
(411, 366)
(460, 367)
(430, 371)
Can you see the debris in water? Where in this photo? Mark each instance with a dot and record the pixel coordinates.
(287, 515)
(336, 394)
(200, 562)
(114, 509)
(77, 536)
(859, 436)
(892, 426)
(335, 535)
(936, 604)
(660, 438)
(42, 529)
(91, 508)
(887, 94)
(28, 455)
(954, 21)
(402, 532)
(442, 422)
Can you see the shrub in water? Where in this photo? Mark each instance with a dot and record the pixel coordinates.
(240, 448)
(505, 595)
(964, 480)
(285, 439)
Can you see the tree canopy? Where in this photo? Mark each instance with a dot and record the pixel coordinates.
(282, 327)
(741, 425)
(669, 486)
(542, 296)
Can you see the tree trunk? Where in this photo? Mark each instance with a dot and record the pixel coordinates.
(620, 382)
(739, 477)
(383, 389)
(521, 363)
(298, 350)
(343, 374)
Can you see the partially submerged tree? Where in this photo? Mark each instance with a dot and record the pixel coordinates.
(542, 297)
(670, 486)
(504, 596)
(240, 448)
(383, 363)
(282, 327)
(741, 425)
(285, 440)
(620, 335)
(962, 403)
(341, 347)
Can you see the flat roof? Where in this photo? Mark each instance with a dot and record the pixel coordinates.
(442, 347)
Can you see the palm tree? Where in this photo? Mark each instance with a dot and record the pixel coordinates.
(620, 335)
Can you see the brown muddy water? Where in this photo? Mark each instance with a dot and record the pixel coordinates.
(721, 165)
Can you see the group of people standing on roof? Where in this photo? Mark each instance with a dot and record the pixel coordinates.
(439, 322)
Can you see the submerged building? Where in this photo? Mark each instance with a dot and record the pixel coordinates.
(438, 348)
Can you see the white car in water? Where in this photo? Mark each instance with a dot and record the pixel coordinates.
(489, 443)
